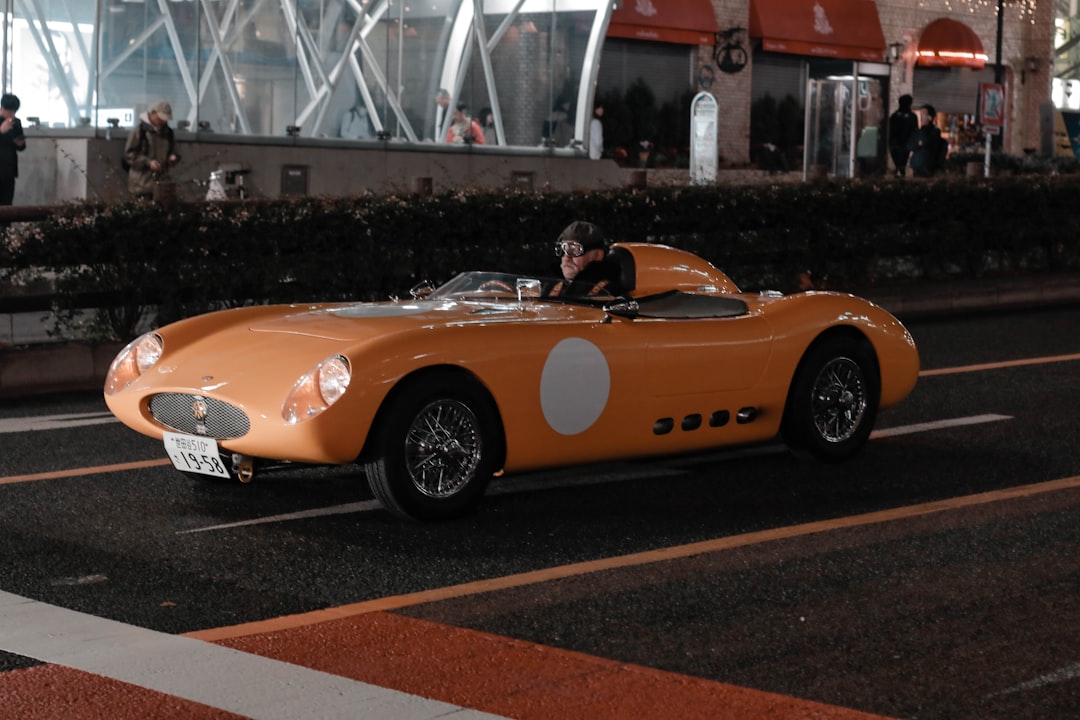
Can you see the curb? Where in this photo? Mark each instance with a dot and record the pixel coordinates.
(980, 295)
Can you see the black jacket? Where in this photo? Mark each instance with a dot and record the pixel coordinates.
(10, 147)
(600, 277)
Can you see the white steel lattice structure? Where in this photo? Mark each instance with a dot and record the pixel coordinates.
(267, 67)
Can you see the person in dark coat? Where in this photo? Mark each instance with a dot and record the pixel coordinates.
(925, 144)
(12, 143)
(902, 124)
(586, 267)
(150, 151)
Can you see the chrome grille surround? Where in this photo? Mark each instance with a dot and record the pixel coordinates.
(177, 411)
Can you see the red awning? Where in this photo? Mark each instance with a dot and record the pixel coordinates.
(950, 43)
(847, 29)
(690, 22)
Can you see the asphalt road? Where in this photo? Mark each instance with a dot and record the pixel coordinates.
(897, 584)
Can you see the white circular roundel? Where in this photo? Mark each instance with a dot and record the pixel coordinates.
(574, 386)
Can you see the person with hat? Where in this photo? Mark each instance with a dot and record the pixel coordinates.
(925, 144)
(586, 268)
(151, 150)
(12, 142)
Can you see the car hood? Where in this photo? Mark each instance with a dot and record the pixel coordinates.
(361, 320)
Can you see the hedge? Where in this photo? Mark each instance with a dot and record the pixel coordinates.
(191, 258)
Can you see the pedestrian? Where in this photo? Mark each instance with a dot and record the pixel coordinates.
(442, 104)
(925, 144)
(150, 151)
(902, 124)
(596, 132)
(356, 123)
(464, 129)
(12, 143)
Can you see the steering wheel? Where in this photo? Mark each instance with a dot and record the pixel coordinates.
(497, 285)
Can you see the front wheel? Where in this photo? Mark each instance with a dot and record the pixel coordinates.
(833, 401)
(435, 450)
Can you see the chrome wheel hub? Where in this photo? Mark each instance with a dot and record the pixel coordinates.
(839, 400)
(442, 448)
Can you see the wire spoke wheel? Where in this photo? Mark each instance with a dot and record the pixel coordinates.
(839, 400)
(833, 400)
(436, 446)
(443, 447)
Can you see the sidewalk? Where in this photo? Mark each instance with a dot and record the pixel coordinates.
(62, 367)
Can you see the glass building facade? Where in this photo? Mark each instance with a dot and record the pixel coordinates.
(311, 68)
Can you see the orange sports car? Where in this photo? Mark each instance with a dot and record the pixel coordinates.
(487, 374)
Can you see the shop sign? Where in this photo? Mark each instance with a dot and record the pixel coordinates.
(992, 107)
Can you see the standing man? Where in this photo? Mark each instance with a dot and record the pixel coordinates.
(150, 151)
(902, 124)
(925, 144)
(12, 142)
(442, 103)
(596, 132)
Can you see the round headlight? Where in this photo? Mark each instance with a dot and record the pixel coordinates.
(317, 389)
(139, 356)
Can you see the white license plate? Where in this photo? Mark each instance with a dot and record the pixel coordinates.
(191, 453)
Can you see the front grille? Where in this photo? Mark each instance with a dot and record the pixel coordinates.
(220, 421)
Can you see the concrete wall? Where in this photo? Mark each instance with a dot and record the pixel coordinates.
(72, 164)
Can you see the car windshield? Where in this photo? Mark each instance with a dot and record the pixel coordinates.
(500, 286)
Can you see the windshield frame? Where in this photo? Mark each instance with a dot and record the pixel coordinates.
(501, 286)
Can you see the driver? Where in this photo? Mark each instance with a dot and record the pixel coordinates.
(586, 268)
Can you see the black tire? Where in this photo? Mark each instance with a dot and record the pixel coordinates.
(435, 449)
(833, 400)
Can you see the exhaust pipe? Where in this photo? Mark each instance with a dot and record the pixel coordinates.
(244, 467)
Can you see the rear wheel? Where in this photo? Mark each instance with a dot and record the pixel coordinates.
(833, 400)
(435, 449)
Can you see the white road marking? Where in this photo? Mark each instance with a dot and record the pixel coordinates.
(572, 477)
(938, 425)
(299, 515)
(202, 672)
(55, 422)
(1065, 674)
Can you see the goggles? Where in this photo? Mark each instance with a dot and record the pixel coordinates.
(569, 247)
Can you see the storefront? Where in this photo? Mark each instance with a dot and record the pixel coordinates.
(950, 65)
(828, 55)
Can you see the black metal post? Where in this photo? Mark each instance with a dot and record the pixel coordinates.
(999, 69)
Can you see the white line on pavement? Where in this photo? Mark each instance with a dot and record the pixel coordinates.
(202, 672)
(938, 425)
(1065, 674)
(55, 422)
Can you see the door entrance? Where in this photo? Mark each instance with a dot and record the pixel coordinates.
(845, 125)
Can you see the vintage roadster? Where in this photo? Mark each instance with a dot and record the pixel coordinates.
(487, 375)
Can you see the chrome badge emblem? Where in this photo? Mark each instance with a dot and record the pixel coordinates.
(199, 408)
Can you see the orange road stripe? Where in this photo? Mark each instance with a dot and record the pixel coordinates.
(643, 558)
(999, 365)
(78, 472)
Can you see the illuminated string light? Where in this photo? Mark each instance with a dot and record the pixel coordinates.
(1025, 8)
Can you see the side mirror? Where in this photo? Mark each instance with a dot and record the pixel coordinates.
(527, 288)
(421, 290)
